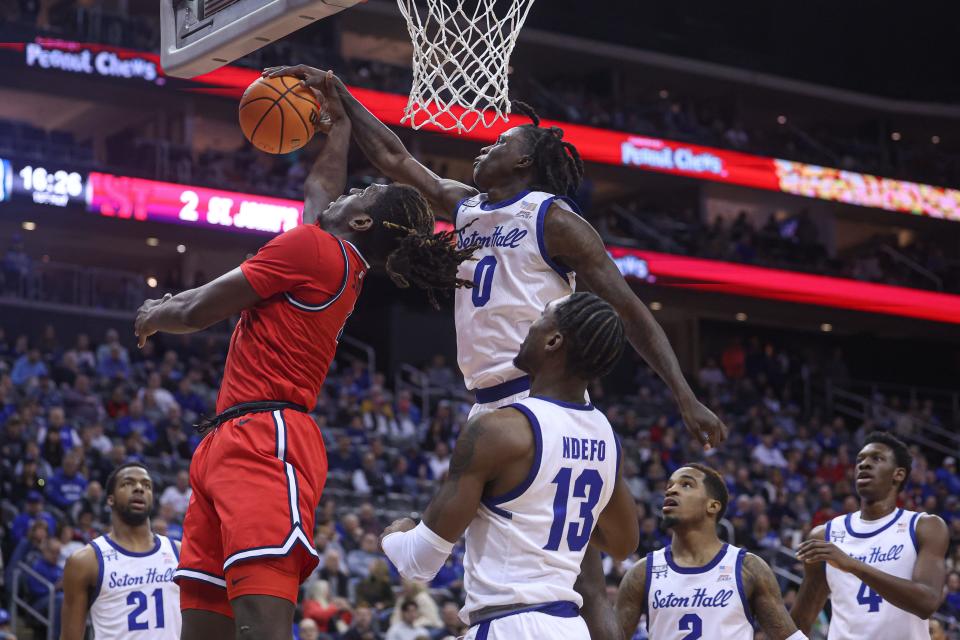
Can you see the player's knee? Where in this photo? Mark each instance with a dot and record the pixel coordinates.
(263, 617)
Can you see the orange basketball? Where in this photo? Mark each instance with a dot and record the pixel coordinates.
(278, 115)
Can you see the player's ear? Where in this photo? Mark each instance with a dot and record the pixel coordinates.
(554, 341)
(361, 222)
(713, 508)
(899, 475)
(525, 162)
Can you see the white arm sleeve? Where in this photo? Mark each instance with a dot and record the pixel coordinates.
(799, 635)
(418, 554)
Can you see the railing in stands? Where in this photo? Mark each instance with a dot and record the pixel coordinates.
(409, 378)
(18, 603)
(944, 401)
(358, 349)
(74, 285)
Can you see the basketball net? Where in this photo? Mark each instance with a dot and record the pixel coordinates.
(461, 58)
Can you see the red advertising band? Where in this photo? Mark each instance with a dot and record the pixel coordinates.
(596, 145)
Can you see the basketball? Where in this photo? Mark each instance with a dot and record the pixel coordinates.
(278, 115)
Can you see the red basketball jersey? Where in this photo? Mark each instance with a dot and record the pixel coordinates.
(281, 348)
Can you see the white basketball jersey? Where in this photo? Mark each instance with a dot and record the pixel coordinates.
(136, 598)
(890, 545)
(526, 546)
(513, 281)
(697, 602)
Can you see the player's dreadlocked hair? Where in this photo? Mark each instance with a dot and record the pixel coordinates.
(557, 164)
(594, 334)
(415, 255)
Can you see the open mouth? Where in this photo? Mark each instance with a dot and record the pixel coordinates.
(670, 503)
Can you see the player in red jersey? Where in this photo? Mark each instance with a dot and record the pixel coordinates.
(258, 474)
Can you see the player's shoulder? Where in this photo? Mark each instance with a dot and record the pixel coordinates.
(84, 562)
(819, 532)
(931, 527)
(505, 425)
(635, 579)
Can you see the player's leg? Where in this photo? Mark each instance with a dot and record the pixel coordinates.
(206, 625)
(530, 626)
(263, 617)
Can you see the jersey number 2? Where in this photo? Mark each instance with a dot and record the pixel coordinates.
(692, 623)
(869, 597)
(588, 486)
(139, 598)
(483, 280)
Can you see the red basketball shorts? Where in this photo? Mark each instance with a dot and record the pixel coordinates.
(256, 482)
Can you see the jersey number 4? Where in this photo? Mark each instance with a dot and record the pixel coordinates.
(483, 280)
(588, 486)
(139, 600)
(869, 597)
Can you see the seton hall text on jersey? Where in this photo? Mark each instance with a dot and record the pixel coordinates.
(152, 576)
(699, 599)
(584, 449)
(510, 240)
(876, 556)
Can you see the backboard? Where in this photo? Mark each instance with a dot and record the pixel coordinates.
(198, 36)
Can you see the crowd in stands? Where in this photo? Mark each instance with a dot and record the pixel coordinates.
(72, 408)
(582, 98)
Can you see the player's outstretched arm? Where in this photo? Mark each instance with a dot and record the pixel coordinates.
(79, 576)
(596, 610)
(630, 599)
(328, 176)
(382, 146)
(922, 594)
(571, 240)
(618, 530)
(814, 590)
(766, 603)
(488, 444)
(195, 309)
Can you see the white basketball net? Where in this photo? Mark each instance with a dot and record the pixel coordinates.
(461, 56)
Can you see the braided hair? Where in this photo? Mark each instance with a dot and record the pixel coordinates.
(415, 255)
(594, 333)
(557, 165)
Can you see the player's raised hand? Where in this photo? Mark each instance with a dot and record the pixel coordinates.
(703, 424)
(142, 327)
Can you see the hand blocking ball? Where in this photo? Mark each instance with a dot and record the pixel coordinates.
(279, 115)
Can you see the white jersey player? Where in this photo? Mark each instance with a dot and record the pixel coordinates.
(698, 586)
(513, 280)
(125, 577)
(882, 567)
(532, 484)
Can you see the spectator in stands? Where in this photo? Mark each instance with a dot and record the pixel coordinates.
(28, 549)
(334, 574)
(440, 375)
(947, 475)
(319, 607)
(439, 461)
(27, 367)
(81, 402)
(767, 453)
(358, 560)
(937, 631)
(400, 480)
(190, 401)
(162, 398)
(69, 543)
(48, 566)
(952, 599)
(376, 588)
(363, 626)
(136, 422)
(82, 354)
(113, 365)
(68, 484)
(33, 510)
(308, 629)
(343, 457)
(734, 360)
(369, 521)
(92, 503)
(6, 630)
(368, 479)
(711, 375)
(111, 347)
(178, 494)
(428, 613)
(405, 628)
(452, 626)
(28, 479)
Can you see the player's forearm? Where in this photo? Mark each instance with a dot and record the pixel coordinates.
(379, 144)
(328, 176)
(649, 340)
(180, 314)
(915, 597)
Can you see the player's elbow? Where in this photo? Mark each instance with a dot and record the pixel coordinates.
(928, 605)
(621, 547)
